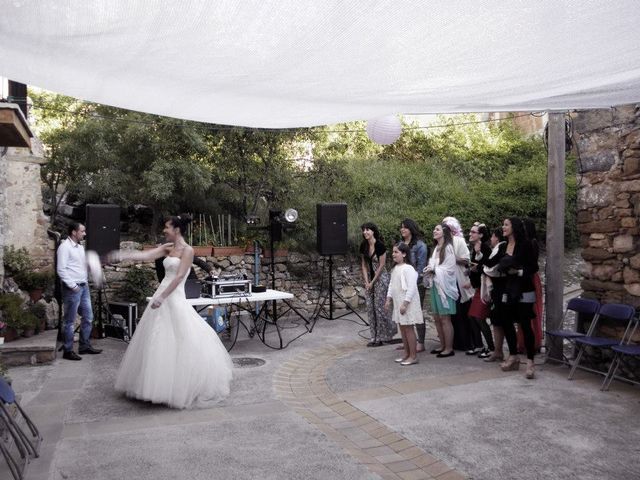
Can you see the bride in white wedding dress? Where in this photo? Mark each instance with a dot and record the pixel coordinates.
(175, 357)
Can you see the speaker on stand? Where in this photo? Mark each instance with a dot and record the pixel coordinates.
(103, 236)
(332, 239)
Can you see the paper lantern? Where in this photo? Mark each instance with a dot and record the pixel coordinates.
(384, 130)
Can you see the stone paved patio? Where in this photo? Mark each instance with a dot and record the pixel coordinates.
(327, 407)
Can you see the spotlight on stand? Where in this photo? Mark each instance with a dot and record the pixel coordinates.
(291, 215)
(278, 221)
(252, 220)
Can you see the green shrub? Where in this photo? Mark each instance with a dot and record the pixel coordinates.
(14, 313)
(33, 280)
(17, 260)
(138, 285)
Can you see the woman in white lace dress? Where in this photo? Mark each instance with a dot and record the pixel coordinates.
(174, 358)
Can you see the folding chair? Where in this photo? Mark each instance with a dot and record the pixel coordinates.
(613, 311)
(585, 306)
(26, 445)
(619, 352)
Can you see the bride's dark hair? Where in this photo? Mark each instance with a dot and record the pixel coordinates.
(181, 222)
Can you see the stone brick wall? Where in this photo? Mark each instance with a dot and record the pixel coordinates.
(24, 223)
(609, 202)
(300, 274)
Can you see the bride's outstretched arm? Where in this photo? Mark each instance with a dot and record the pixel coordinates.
(183, 270)
(136, 255)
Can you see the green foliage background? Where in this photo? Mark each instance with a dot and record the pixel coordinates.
(474, 171)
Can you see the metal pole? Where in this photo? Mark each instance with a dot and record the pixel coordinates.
(330, 287)
(273, 268)
(554, 269)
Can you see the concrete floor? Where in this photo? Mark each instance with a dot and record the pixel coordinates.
(479, 420)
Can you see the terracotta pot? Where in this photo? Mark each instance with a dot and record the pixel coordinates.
(10, 334)
(96, 332)
(29, 332)
(227, 251)
(267, 253)
(202, 251)
(35, 294)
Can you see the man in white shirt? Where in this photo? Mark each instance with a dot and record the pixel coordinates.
(72, 270)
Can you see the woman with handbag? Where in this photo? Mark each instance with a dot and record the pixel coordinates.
(517, 261)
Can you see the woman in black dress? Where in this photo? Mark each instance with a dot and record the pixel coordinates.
(518, 263)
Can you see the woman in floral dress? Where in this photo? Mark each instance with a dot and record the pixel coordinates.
(376, 283)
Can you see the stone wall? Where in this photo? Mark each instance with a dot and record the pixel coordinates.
(24, 223)
(300, 274)
(608, 142)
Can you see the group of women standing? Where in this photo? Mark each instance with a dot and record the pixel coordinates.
(493, 277)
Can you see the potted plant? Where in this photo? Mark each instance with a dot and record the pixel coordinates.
(13, 315)
(39, 311)
(16, 260)
(34, 282)
(29, 324)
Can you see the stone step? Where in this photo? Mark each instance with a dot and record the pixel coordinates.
(30, 351)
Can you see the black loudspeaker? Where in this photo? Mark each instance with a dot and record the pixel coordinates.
(332, 228)
(103, 228)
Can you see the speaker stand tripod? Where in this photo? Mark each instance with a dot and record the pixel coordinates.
(332, 292)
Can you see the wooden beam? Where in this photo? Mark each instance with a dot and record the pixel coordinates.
(554, 285)
(14, 129)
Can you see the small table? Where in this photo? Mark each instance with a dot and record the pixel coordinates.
(260, 317)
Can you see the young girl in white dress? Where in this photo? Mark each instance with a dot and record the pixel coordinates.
(403, 294)
(175, 357)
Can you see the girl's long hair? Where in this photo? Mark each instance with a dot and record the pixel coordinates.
(448, 240)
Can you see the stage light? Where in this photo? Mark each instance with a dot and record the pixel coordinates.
(252, 219)
(291, 215)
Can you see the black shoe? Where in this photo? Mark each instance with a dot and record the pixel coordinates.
(435, 351)
(71, 355)
(90, 351)
(374, 344)
(484, 353)
(443, 355)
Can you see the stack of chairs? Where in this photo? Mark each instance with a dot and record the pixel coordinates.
(26, 444)
(584, 306)
(621, 352)
(619, 313)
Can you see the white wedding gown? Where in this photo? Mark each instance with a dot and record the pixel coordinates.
(174, 357)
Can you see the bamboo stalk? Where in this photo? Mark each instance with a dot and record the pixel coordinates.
(213, 230)
(204, 222)
(220, 230)
(229, 233)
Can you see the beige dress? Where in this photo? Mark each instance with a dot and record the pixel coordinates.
(403, 287)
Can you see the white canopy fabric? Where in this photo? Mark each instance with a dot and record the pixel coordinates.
(295, 63)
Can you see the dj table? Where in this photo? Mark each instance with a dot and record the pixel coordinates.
(256, 304)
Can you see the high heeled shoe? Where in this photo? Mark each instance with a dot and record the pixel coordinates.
(530, 373)
(512, 364)
(494, 358)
